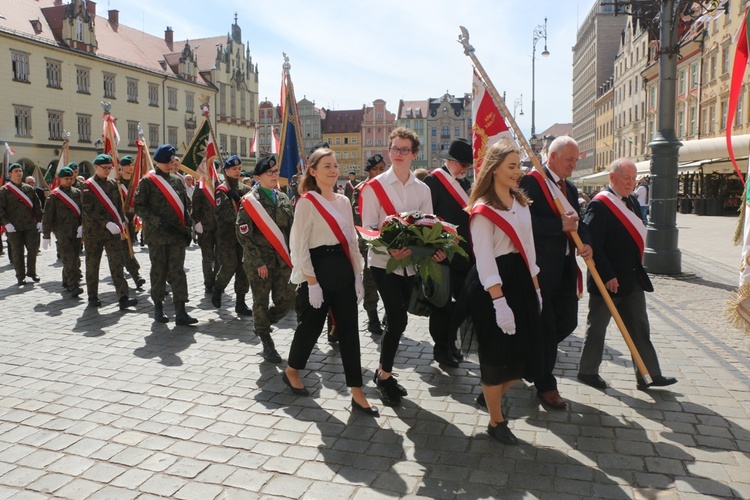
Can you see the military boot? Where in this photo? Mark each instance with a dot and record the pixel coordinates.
(373, 323)
(216, 296)
(181, 316)
(126, 302)
(159, 313)
(240, 307)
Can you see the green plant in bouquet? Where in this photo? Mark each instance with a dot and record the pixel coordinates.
(423, 234)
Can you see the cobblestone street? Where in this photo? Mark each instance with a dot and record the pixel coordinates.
(97, 403)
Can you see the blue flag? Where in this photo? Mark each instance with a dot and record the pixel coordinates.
(291, 160)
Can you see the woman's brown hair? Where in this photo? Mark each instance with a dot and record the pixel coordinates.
(484, 186)
(308, 182)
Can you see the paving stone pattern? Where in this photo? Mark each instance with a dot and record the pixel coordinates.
(97, 403)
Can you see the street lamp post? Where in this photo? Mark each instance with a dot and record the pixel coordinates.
(518, 103)
(539, 32)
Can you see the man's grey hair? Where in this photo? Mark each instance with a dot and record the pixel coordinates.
(560, 143)
(619, 163)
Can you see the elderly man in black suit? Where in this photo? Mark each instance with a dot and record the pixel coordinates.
(559, 275)
(618, 237)
(449, 189)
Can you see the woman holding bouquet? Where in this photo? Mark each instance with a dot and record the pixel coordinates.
(502, 287)
(328, 267)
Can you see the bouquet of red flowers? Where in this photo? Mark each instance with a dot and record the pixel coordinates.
(423, 234)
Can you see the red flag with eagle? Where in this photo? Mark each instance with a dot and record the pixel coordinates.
(488, 123)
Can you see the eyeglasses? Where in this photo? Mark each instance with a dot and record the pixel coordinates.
(105, 167)
(275, 171)
(403, 151)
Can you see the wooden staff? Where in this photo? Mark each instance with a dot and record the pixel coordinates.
(463, 39)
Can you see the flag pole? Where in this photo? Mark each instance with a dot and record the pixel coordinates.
(469, 50)
(109, 135)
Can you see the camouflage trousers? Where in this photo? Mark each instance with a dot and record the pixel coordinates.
(131, 263)
(370, 301)
(207, 244)
(69, 250)
(277, 287)
(19, 240)
(168, 265)
(94, 249)
(229, 263)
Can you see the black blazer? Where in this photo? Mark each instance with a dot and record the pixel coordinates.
(616, 255)
(446, 207)
(555, 268)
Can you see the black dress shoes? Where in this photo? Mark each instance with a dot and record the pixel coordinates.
(401, 388)
(95, 302)
(445, 358)
(35, 278)
(593, 380)
(126, 302)
(656, 381)
(295, 390)
(371, 411)
(502, 433)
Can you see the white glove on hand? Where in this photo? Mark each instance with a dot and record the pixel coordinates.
(359, 289)
(198, 228)
(79, 232)
(504, 316)
(39, 226)
(113, 228)
(10, 228)
(315, 295)
(539, 296)
(45, 244)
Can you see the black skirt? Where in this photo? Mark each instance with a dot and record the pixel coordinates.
(502, 357)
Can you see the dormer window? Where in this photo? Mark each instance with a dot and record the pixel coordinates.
(79, 30)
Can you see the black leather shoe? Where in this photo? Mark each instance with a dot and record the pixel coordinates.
(35, 278)
(295, 390)
(390, 395)
(181, 316)
(656, 381)
(126, 302)
(401, 388)
(216, 298)
(371, 411)
(95, 302)
(593, 380)
(373, 323)
(159, 315)
(139, 282)
(75, 292)
(456, 353)
(21, 282)
(446, 359)
(502, 433)
(242, 309)
(271, 355)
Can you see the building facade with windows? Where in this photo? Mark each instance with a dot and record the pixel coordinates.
(377, 125)
(342, 130)
(605, 113)
(310, 124)
(413, 115)
(448, 118)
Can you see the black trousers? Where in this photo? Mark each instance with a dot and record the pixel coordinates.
(442, 333)
(395, 291)
(335, 276)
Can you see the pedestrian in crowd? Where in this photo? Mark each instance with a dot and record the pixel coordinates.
(642, 194)
(449, 189)
(103, 225)
(350, 184)
(264, 221)
(62, 215)
(375, 166)
(394, 191)
(228, 250)
(21, 214)
(127, 168)
(618, 236)
(421, 173)
(38, 190)
(328, 268)
(559, 274)
(502, 287)
(164, 207)
(583, 200)
(204, 218)
(190, 186)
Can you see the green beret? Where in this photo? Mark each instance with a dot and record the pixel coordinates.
(72, 165)
(14, 166)
(65, 172)
(102, 159)
(127, 160)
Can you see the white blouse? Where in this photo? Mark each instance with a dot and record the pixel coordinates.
(310, 230)
(489, 242)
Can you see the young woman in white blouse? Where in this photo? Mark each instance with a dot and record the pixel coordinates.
(502, 287)
(328, 266)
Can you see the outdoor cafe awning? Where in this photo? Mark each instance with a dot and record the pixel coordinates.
(711, 154)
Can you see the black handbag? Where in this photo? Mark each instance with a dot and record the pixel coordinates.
(428, 295)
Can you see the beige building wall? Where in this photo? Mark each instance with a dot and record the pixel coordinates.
(604, 127)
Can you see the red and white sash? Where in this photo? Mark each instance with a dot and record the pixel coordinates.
(170, 194)
(332, 217)
(633, 224)
(67, 201)
(452, 186)
(124, 190)
(506, 225)
(208, 191)
(21, 195)
(385, 200)
(267, 226)
(225, 189)
(106, 202)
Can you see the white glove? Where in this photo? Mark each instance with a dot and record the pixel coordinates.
(79, 232)
(10, 228)
(199, 228)
(39, 226)
(504, 316)
(45, 244)
(539, 296)
(359, 289)
(113, 228)
(315, 295)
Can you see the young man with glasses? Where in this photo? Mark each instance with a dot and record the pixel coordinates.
(394, 191)
(103, 225)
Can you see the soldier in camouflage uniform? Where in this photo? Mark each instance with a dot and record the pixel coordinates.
(204, 218)
(228, 249)
(159, 197)
(62, 215)
(265, 268)
(21, 215)
(131, 263)
(102, 230)
(374, 167)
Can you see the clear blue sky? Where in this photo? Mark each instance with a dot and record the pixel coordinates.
(348, 53)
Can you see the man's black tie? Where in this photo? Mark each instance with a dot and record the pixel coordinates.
(628, 203)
